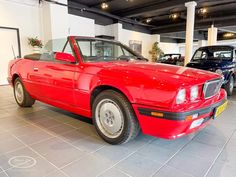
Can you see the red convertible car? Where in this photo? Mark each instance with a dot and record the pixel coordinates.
(122, 93)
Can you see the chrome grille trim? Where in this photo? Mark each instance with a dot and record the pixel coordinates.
(211, 88)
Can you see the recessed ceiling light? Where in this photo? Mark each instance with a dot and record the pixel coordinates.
(148, 20)
(202, 11)
(228, 35)
(104, 5)
(174, 16)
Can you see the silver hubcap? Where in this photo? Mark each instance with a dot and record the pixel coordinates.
(109, 118)
(19, 92)
(231, 85)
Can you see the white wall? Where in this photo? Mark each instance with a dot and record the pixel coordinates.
(23, 15)
(182, 47)
(227, 42)
(169, 47)
(147, 40)
(59, 20)
(104, 30)
(80, 26)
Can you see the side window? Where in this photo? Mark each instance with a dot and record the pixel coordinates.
(204, 55)
(68, 49)
(201, 55)
(118, 51)
(85, 48)
(51, 47)
(197, 55)
(127, 53)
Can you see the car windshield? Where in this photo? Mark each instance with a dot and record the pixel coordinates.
(102, 50)
(214, 53)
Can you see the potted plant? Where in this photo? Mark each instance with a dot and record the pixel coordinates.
(156, 52)
(35, 43)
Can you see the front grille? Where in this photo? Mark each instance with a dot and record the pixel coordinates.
(211, 88)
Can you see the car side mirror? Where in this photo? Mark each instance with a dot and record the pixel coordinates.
(66, 57)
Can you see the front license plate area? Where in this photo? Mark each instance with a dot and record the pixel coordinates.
(196, 123)
(220, 109)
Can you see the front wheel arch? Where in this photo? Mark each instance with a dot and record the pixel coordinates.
(97, 90)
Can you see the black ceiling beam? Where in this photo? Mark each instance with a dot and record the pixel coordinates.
(198, 35)
(212, 9)
(82, 8)
(99, 3)
(161, 5)
(164, 6)
(200, 24)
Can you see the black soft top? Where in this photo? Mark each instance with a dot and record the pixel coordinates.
(215, 47)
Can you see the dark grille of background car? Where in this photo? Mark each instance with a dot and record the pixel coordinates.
(211, 88)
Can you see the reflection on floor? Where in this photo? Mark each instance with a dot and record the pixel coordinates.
(46, 141)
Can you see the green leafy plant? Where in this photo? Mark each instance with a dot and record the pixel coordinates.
(156, 52)
(35, 42)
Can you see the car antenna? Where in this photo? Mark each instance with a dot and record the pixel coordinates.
(13, 52)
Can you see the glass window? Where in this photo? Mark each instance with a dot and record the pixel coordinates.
(68, 49)
(51, 47)
(99, 50)
(197, 55)
(85, 48)
(214, 53)
(127, 53)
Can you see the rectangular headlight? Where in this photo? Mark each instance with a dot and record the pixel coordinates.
(181, 96)
(194, 93)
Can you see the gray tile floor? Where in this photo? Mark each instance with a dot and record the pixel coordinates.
(46, 141)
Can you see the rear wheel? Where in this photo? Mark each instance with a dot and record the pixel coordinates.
(229, 87)
(114, 118)
(22, 97)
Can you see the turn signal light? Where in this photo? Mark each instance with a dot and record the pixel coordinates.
(157, 114)
(191, 117)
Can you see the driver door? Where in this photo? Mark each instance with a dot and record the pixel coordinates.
(55, 80)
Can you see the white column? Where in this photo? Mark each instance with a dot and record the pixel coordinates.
(189, 30)
(55, 20)
(117, 31)
(212, 35)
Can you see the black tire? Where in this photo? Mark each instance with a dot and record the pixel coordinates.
(130, 123)
(27, 100)
(229, 87)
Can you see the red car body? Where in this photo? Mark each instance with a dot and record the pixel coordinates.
(151, 88)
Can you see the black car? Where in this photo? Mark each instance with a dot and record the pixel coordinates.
(219, 59)
(173, 59)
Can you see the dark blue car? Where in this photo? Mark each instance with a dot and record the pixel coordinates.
(219, 59)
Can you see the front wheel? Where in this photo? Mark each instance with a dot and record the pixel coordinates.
(114, 118)
(22, 97)
(229, 87)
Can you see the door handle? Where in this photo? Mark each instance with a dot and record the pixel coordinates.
(36, 69)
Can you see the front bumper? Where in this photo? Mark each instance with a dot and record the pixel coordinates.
(173, 125)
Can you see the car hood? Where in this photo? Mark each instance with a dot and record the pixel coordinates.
(156, 71)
